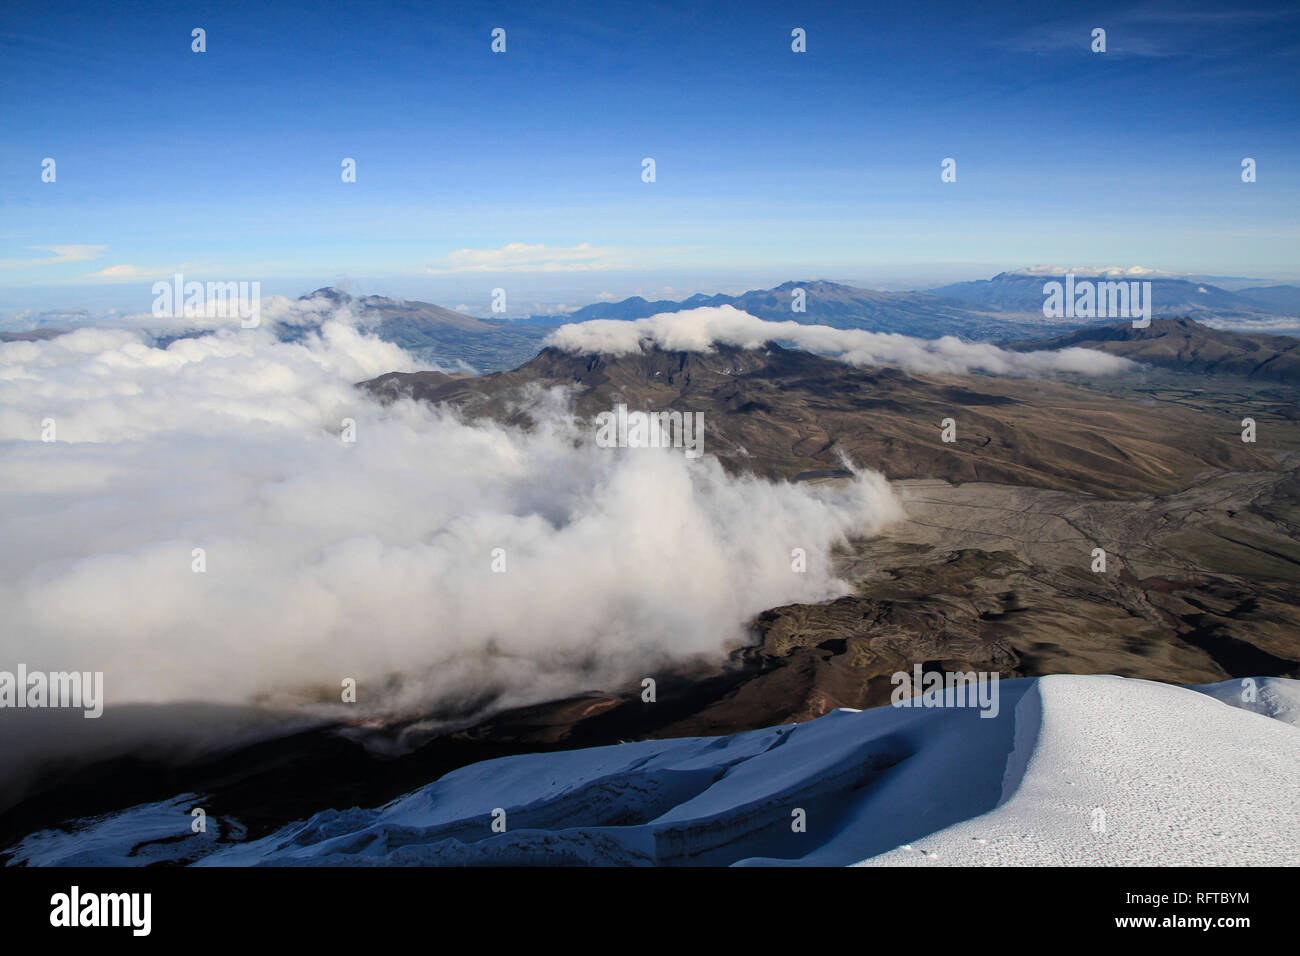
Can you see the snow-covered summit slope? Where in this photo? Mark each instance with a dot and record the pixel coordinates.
(1271, 696)
(1123, 772)
(1072, 770)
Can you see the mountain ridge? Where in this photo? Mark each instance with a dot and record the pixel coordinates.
(1183, 344)
(782, 412)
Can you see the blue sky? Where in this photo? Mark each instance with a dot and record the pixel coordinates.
(523, 169)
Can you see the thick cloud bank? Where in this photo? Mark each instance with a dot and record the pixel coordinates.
(373, 559)
(698, 330)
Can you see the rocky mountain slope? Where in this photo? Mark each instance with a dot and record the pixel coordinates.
(429, 331)
(781, 412)
(1182, 344)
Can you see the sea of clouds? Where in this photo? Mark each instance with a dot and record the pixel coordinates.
(369, 560)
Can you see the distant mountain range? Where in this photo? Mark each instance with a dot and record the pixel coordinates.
(921, 314)
(827, 303)
(1022, 293)
(987, 308)
(1282, 299)
(1007, 307)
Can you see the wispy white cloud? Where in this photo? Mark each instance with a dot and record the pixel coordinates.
(73, 253)
(698, 330)
(521, 257)
(123, 272)
(1152, 30)
(1278, 325)
(1132, 272)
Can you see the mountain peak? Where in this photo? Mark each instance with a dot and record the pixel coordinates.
(327, 292)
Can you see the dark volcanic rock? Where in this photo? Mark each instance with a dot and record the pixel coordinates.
(780, 412)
